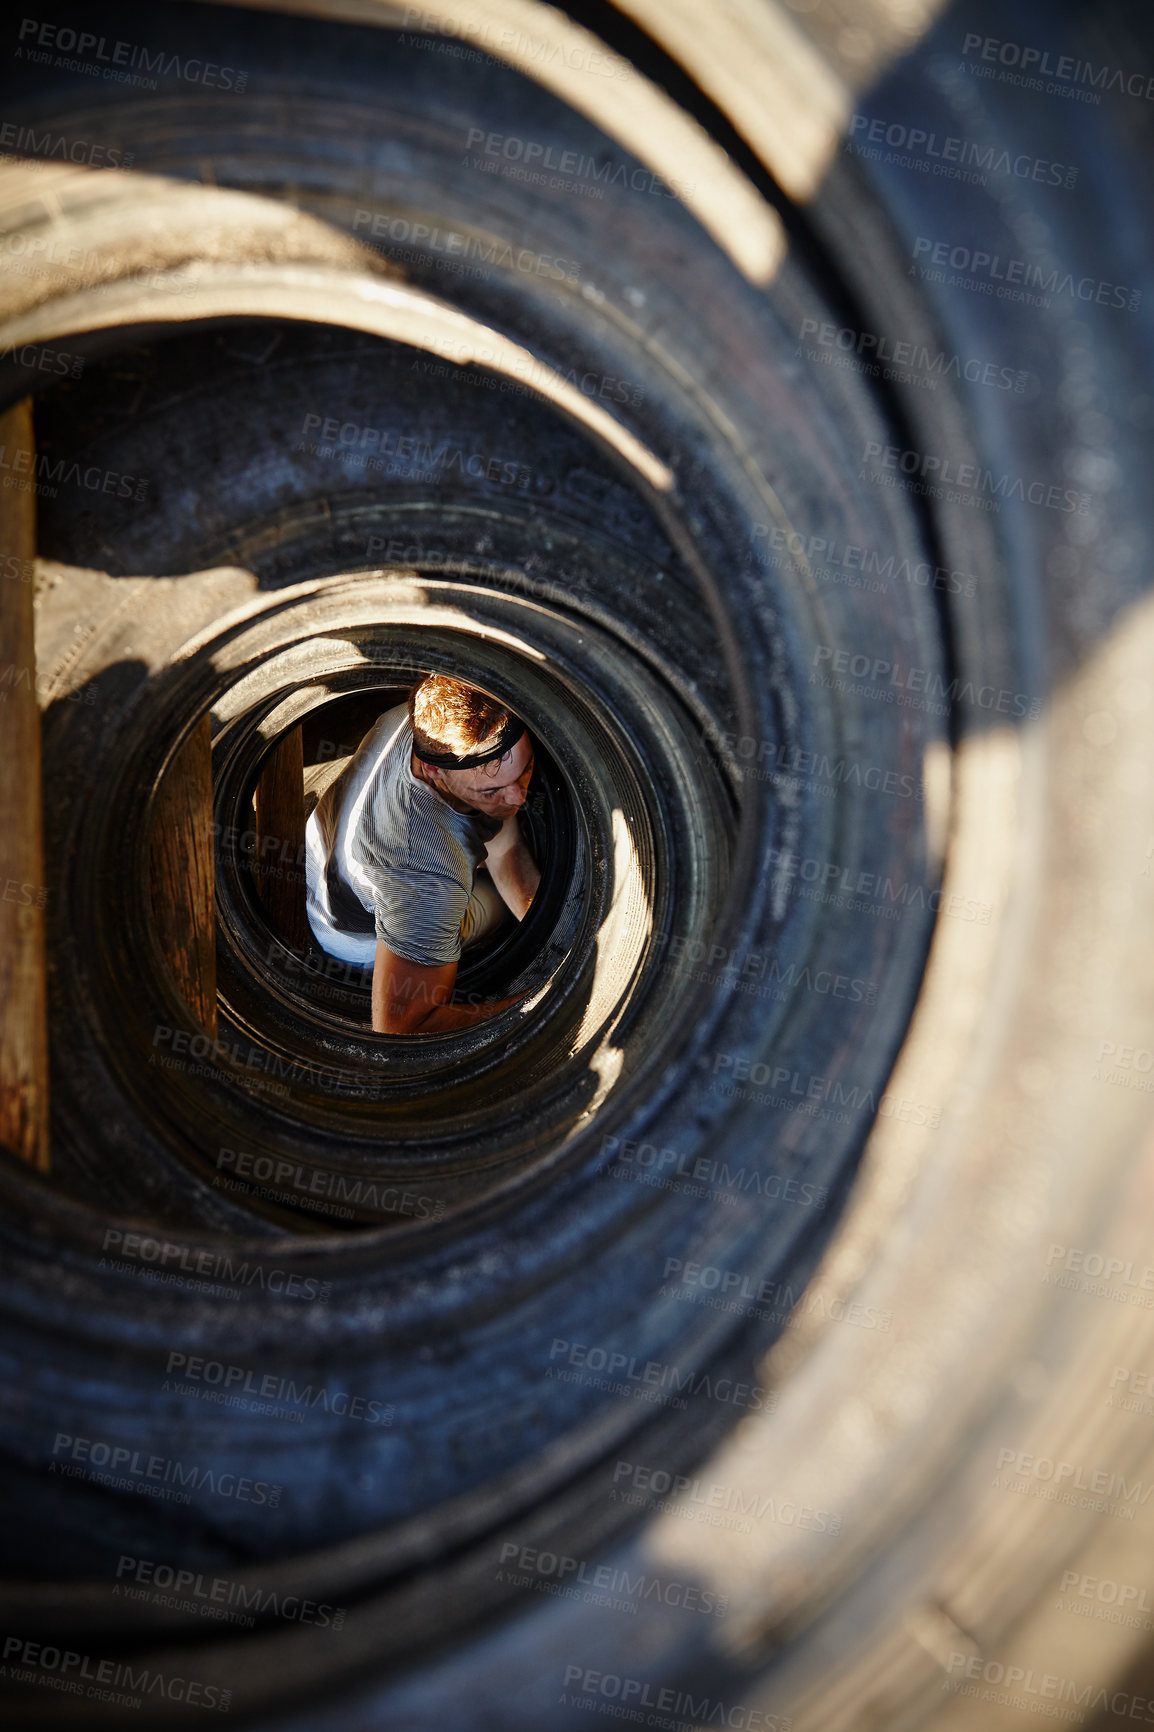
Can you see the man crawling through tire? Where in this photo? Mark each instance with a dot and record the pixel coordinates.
(414, 852)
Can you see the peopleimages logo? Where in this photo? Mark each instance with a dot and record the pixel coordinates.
(1104, 1600)
(566, 166)
(172, 1257)
(14, 679)
(930, 472)
(1021, 1687)
(732, 1290)
(1100, 1482)
(139, 1471)
(1037, 283)
(660, 1483)
(1062, 69)
(767, 760)
(67, 1670)
(284, 1178)
(851, 560)
(754, 965)
(740, 1068)
(220, 1595)
(706, 1169)
(886, 676)
(235, 1383)
(37, 358)
(518, 45)
(458, 249)
(49, 476)
(26, 142)
(559, 1569)
(653, 1373)
(583, 1687)
(927, 149)
(875, 350)
(116, 59)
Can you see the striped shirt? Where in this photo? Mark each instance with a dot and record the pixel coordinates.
(388, 859)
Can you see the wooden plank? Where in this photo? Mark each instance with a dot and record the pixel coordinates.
(24, 1028)
(183, 881)
(278, 865)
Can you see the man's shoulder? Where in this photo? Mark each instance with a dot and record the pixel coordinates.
(385, 751)
(394, 722)
(441, 839)
(432, 815)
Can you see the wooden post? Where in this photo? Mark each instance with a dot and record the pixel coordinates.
(23, 997)
(279, 807)
(183, 880)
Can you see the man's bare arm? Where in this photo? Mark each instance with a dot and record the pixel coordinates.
(409, 998)
(512, 867)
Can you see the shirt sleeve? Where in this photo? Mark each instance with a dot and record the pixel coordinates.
(420, 919)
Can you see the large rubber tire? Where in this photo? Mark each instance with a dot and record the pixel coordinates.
(691, 1330)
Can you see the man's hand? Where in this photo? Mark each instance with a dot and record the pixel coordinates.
(409, 998)
(512, 867)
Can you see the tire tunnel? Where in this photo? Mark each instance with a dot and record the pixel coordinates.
(761, 406)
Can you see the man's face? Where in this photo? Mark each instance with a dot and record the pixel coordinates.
(497, 788)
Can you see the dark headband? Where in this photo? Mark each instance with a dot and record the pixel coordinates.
(510, 734)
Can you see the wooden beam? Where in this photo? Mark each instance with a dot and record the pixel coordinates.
(183, 880)
(24, 1026)
(278, 865)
